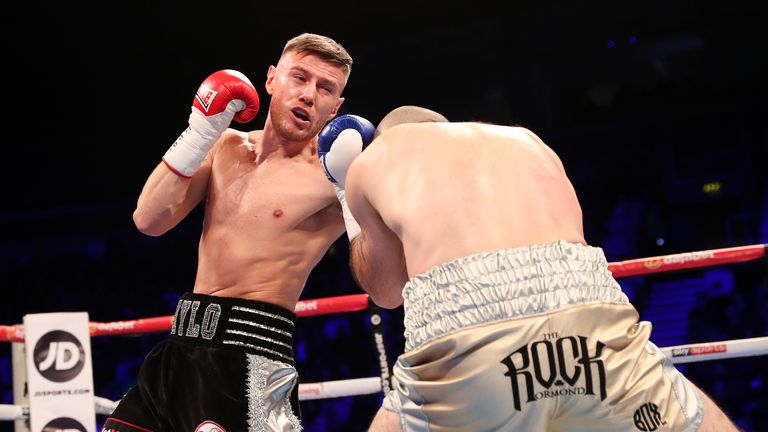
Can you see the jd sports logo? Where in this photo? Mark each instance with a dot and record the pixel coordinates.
(560, 362)
(648, 417)
(59, 356)
(63, 424)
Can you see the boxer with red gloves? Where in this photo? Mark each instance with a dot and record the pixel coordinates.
(270, 215)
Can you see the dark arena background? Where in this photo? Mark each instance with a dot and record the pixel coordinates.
(657, 109)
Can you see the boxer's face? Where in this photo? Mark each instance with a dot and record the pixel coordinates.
(306, 93)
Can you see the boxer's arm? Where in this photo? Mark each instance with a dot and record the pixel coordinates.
(167, 198)
(376, 254)
(179, 183)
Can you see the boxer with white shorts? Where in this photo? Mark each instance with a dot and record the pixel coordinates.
(512, 322)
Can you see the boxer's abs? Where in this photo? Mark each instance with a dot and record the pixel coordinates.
(265, 228)
(258, 262)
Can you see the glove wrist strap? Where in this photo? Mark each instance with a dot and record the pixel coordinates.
(353, 228)
(188, 152)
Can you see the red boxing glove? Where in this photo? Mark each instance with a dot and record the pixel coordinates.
(222, 87)
(224, 96)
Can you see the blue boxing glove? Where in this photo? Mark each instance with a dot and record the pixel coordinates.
(338, 144)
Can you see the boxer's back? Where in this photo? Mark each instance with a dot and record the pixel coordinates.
(453, 189)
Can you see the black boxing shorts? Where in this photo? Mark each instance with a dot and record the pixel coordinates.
(228, 366)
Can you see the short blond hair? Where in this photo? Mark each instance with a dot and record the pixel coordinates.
(409, 114)
(321, 46)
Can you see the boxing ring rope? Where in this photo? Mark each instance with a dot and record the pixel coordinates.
(304, 308)
(357, 302)
(687, 260)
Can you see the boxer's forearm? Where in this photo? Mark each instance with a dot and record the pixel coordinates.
(380, 273)
(166, 199)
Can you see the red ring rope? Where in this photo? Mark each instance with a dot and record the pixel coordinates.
(304, 308)
(687, 260)
(357, 302)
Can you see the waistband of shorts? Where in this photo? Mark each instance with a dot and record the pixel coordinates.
(248, 325)
(503, 284)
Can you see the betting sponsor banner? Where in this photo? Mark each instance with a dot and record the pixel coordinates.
(59, 372)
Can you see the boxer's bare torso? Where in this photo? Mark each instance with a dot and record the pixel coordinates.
(449, 190)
